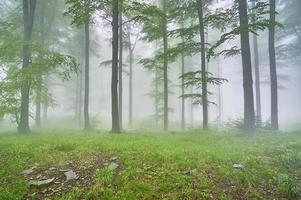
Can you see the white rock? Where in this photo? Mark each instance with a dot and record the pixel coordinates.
(70, 175)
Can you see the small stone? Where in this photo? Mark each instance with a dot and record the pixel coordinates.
(70, 175)
(27, 171)
(238, 166)
(41, 183)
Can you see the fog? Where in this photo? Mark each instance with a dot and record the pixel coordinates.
(150, 99)
(228, 97)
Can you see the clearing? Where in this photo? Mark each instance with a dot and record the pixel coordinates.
(189, 165)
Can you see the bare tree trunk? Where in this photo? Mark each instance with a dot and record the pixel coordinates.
(120, 68)
(46, 103)
(257, 77)
(182, 86)
(28, 17)
(156, 97)
(38, 100)
(87, 73)
(203, 57)
(273, 68)
(165, 68)
(114, 83)
(220, 100)
(130, 82)
(249, 114)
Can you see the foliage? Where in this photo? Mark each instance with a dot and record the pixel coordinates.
(194, 79)
(44, 61)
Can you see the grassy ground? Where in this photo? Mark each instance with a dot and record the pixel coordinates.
(155, 166)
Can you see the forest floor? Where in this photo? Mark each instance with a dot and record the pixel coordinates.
(150, 166)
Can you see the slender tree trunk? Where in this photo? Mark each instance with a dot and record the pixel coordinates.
(114, 83)
(46, 103)
(38, 108)
(165, 68)
(191, 109)
(130, 82)
(28, 17)
(80, 94)
(76, 103)
(204, 72)
(182, 90)
(87, 73)
(257, 76)
(249, 114)
(273, 68)
(38, 100)
(120, 68)
(157, 97)
(220, 101)
(80, 107)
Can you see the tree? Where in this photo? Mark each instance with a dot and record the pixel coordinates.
(81, 12)
(249, 114)
(257, 72)
(203, 57)
(28, 17)
(87, 63)
(165, 63)
(273, 68)
(131, 45)
(114, 81)
(182, 90)
(120, 85)
(42, 39)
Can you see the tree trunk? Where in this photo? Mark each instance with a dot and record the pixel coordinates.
(182, 90)
(80, 94)
(130, 83)
(28, 17)
(157, 96)
(165, 68)
(87, 63)
(114, 83)
(273, 68)
(120, 68)
(249, 114)
(204, 75)
(220, 96)
(39, 88)
(46, 104)
(257, 77)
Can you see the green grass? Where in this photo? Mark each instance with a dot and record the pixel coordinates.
(162, 166)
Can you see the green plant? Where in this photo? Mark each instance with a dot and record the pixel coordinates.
(289, 187)
(288, 157)
(105, 176)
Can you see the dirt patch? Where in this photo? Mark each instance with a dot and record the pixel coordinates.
(84, 168)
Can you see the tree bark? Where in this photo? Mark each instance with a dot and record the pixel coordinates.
(120, 68)
(114, 82)
(130, 82)
(28, 17)
(204, 72)
(249, 114)
(39, 88)
(87, 81)
(273, 68)
(165, 67)
(257, 77)
(182, 90)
